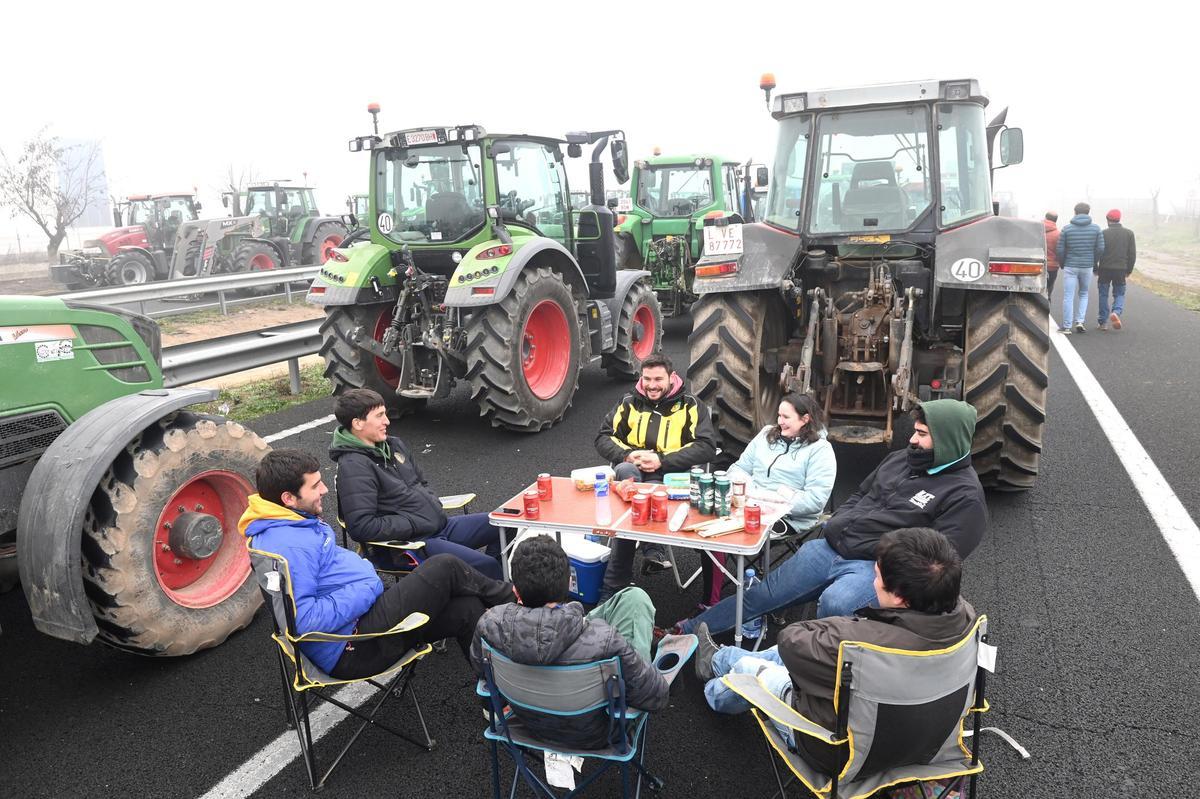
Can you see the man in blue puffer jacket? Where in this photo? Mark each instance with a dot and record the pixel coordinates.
(336, 591)
(1079, 248)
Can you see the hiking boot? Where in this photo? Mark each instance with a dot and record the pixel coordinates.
(1079, 328)
(704, 653)
(1115, 320)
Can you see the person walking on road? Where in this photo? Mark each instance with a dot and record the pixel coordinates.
(1079, 248)
(1116, 264)
(1052, 234)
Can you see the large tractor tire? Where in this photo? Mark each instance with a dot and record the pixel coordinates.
(326, 238)
(1007, 366)
(524, 353)
(129, 269)
(165, 567)
(639, 332)
(254, 256)
(347, 366)
(730, 332)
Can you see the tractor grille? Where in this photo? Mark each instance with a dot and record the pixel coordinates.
(134, 371)
(27, 436)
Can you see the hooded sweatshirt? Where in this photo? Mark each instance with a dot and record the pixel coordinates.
(332, 586)
(918, 488)
(563, 636)
(1052, 235)
(1080, 244)
(809, 469)
(382, 494)
(676, 426)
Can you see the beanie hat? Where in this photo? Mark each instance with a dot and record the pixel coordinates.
(1114, 215)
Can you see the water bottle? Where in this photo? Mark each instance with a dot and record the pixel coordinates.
(753, 628)
(603, 509)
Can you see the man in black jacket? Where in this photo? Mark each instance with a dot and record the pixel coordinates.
(929, 484)
(1116, 264)
(383, 496)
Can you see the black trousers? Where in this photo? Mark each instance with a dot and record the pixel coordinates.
(450, 592)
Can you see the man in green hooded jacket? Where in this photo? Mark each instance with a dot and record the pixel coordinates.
(929, 484)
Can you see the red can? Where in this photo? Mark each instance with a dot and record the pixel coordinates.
(533, 508)
(658, 506)
(752, 517)
(641, 509)
(545, 487)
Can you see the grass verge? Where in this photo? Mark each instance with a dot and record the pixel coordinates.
(1180, 295)
(179, 323)
(251, 400)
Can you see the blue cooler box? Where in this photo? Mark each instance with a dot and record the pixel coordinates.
(588, 561)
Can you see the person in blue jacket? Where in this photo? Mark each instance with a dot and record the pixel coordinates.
(1079, 248)
(336, 591)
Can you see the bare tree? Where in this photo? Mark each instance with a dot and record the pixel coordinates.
(52, 184)
(236, 181)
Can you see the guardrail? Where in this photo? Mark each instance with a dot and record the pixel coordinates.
(216, 357)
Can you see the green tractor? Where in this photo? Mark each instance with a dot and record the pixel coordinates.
(480, 269)
(296, 233)
(880, 277)
(661, 227)
(118, 504)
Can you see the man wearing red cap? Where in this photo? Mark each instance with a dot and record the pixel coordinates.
(1116, 264)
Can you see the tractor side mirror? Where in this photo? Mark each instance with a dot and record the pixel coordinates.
(225, 200)
(612, 203)
(620, 159)
(761, 176)
(198, 207)
(280, 199)
(1012, 146)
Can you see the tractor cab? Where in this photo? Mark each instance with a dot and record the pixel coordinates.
(284, 208)
(160, 215)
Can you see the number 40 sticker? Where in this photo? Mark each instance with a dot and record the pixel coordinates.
(968, 270)
(385, 223)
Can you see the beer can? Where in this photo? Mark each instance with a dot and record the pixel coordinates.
(739, 487)
(545, 487)
(752, 517)
(658, 506)
(533, 508)
(641, 508)
(721, 496)
(694, 497)
(706, 493)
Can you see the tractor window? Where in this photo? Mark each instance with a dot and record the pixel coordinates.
(530, 186)
(872, 170)
(176, 209)
(141, 212)
(260, 202)
(785, 200)
(428, 194)
(962, 154)
(675, 190)
(732, 192)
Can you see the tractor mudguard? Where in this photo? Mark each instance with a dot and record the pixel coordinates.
(349, 282)
(625, 280)
(964, 254)
(500, 273)
(766, 259)
(50, 521)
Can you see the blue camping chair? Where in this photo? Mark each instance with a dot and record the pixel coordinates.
(577, 690)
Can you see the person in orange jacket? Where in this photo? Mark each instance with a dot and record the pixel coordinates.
(1052, 234)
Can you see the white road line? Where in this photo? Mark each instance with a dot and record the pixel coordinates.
(300, 428)
(1178, 528)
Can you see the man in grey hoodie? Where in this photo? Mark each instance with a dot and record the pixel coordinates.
(543, 629)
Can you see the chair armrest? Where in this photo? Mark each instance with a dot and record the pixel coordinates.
(409, 623)
(400, 545)
(456, 501)
(749, 688)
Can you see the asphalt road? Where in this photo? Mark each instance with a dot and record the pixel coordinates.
(1096, 625)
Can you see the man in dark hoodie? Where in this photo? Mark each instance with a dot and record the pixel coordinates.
(929, 484)
(543, 629)
(917, 574)
(1116, 264)
(383, 495)
(655, 429)
(336, 591)
(1079, 248)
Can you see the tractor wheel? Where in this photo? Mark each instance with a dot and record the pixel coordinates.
(347, 366)
(1007, 372)
(524, 353)
(255, 256)
(165, 567)
(730, 332)
(327, 237)
(639, 332)
(129, 269)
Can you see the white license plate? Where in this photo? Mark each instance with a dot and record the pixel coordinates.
(421, 137)
(726, 240)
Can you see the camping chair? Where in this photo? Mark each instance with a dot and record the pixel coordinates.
(901, 719)
(307, 680)
(576, 690)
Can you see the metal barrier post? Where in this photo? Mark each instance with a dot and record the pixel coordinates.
(287, 292)
(221, 302)
(294, 374)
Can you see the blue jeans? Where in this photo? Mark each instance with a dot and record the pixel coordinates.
(1118, 294)
(462, 536)
(1075, 281)
(735, 660)
(840, 587)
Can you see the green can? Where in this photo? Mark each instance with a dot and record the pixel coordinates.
(706, 493)
(721, 495)
(694, 488)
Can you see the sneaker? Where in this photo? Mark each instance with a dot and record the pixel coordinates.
(654, 560)
(704, 653)
(1115, 320)
(1102, 327)
(1066, 331)
(1079, 328)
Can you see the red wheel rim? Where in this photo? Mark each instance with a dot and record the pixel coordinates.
(204, 582)
(545, 349)
(329, 245)
(262, 262)
(643, 321)
(387, 371)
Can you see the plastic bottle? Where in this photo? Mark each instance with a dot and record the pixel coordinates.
(753, 628)
(603, 509)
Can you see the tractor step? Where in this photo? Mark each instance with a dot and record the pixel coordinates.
(416, 393)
